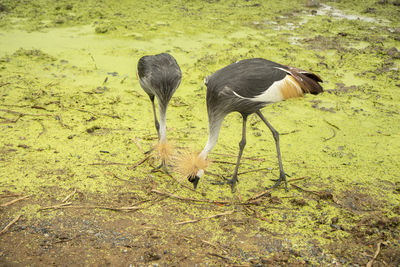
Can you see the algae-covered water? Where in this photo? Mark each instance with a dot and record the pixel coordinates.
(75, 123)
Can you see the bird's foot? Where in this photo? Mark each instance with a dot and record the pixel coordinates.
(162, 167)
(282, 178)
(231, 182)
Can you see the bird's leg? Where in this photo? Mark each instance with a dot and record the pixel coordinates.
(242, 144)
(156, 123)
(282, 175)
(155, 116)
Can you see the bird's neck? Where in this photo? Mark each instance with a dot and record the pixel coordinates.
(163, 123)
(214, 128)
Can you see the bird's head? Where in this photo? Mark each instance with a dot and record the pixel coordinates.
(192, 166)
(194, 179)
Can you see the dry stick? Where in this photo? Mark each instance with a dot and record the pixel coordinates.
(68, 197)
(67, 205)
(331, 124)
(378, 250)
(97, 114)
(235, 156)
(13, 201)
(138, 145)
(176, 180)
(263, 193)
(136, 164)
(329, 138)
(24, 114)
(11, 121)
(259, 195)
(256, 170)
(189, 199)
(219, 256)
(297, 179)
(10, 195)
(58, 206)
(43, 128)
(59, 119)
(211, 244)
(4, 84)
(108, 163)
(250, 210)
(205, 218)
(11, 223)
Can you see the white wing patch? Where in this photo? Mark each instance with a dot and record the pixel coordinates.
(271, 94)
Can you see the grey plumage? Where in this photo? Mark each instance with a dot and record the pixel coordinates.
(247, 86)
(159, 76)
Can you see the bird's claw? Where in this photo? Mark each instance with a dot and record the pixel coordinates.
(162, 167)
(282, 178)
(231, 182)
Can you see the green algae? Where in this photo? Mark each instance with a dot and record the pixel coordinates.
(64, 126)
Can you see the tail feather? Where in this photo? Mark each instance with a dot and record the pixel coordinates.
(308, 81)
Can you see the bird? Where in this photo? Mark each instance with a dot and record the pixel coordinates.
(246, 87)
(160, 75)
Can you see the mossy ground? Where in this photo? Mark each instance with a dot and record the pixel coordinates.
(73, 118)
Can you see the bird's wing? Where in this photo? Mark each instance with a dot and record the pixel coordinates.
(247, 78)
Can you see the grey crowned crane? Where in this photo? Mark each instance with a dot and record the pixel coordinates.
(247, 86)
(160, 76)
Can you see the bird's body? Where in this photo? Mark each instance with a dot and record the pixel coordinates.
(247, 86)
(159, 76)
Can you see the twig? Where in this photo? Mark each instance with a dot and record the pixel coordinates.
(24, 114)
(189, 199)
(235, 156)
(219, 256)
(11, 223)
(1, 85)
(138, 145)
(205, 218)
(213, 245)
(255, 170)
(297, 179)
(94, 61)
(378, 250)
(136, 164)
(13, 201)
(108, 163)
(68, 197)
(97, 114)
(258, 215)
(331, 124)
(10, 195)
(58, 206)
(259, 195)
(329, 138)
(59, 119)
(175, 180)
(67, 205)
(43, 128)
(304, 190)
(9, 120)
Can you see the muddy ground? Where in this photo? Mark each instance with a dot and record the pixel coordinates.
(77, 189)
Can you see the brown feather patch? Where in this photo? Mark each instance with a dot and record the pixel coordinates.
(189, 163)
(164, 150)
(290, 88)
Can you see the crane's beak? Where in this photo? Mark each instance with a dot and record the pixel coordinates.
(194, 180)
